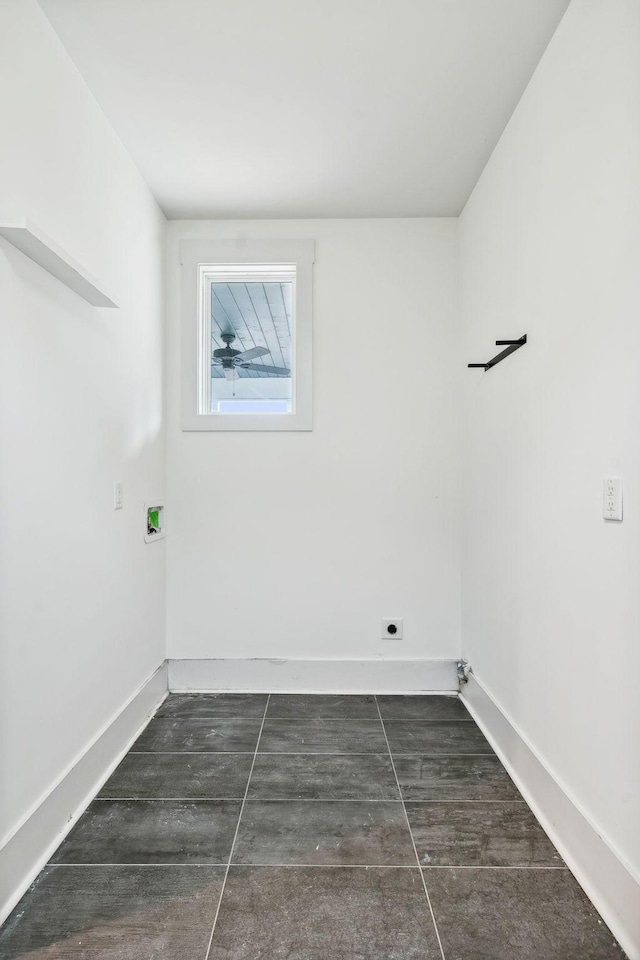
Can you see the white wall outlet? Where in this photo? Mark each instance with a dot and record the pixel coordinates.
(117, 496)
(612, 507)
(392, 628)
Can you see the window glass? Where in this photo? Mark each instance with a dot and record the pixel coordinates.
(251, 339)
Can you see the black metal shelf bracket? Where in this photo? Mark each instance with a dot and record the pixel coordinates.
(510, 345)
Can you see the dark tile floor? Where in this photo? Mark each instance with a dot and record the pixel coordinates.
(247, 827)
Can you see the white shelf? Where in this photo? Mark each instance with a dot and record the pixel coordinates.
(30, 239)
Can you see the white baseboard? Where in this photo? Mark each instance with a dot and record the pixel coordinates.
(609, 883)
(31, 845)
(314, 676)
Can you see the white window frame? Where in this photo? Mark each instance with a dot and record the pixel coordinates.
(234, 256)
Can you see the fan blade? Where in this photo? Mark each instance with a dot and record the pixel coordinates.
(252, 354)
(264, 368)
(231, 374)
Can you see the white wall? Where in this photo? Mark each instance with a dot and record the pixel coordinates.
(550, 246)
(81, 595)
(296, 544)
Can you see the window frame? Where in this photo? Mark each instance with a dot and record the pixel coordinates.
(236, 253)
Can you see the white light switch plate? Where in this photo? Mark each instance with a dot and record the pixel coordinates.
(612, 506)
(117, 496)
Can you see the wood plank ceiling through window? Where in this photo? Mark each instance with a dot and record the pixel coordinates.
(259, 314)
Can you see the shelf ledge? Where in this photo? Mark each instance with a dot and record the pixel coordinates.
(29, 238)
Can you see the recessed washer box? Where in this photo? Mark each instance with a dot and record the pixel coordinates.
(153, 521)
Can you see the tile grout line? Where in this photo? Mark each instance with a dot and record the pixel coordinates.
(287, 800)
(308, 716)
(235, 836)
(294, 866)
(413, 844)
(300, 753)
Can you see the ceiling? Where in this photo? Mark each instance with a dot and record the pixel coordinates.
(307, 108)
(259, 315)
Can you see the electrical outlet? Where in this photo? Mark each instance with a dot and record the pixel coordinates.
(117, 496)
(612, 507)
(392, 628)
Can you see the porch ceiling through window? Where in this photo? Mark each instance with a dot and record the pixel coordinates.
(259, 315)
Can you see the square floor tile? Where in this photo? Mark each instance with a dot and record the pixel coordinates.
(214, 705)
(205, 736)
(278, 776)
(180, 776)
(454, 778)
(322, 736)
(323, 914)
(152, 831)
(422, 708)
(523, 914)
(436, 737)
(114, 913)
(498, 834)
(323, 832)
(322, 706)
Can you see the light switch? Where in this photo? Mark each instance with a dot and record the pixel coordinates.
(117, 496)
(612, 508)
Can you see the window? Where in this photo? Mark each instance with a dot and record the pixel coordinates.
(246, 334)
(247, 317)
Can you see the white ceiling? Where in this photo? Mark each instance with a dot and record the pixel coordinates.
(307, 108)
